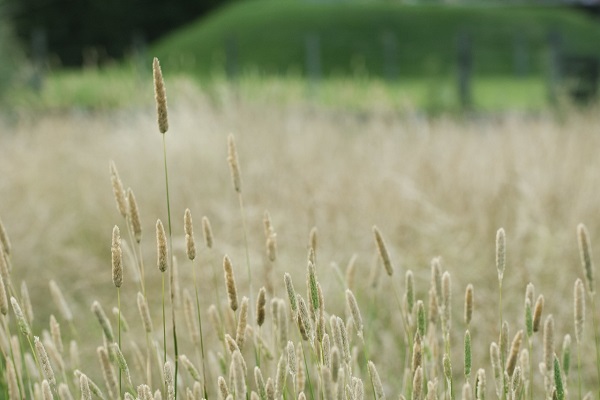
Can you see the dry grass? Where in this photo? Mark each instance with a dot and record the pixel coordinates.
(433, 188)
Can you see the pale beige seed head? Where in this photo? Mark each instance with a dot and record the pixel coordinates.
(144, 312)
(160, 95)
(55, 333)
(433, 309)
(500, 253)
(190, 244)
(530, 292)
(46, 391)
(272, 247)
(118, 190)
(291, 358)
(261, 303)
(134, 216)
(239, 375)
(468, 304)
(436, 277)
(240, 336)
(108, 372)
(60, 302)
(496, 367)
(376, 381)
(169, 381)
(161, 246)
(358, 389)
(103, 320)
(351, 271)
(280, 376)
(26, 300)
(355, 312)
(21, 321)
(234, 166)
(503, 341)
(4, 270)
(3, 298)
(300, 370)
(207, 231)
(11, 380)
(327, 384)
(579, 300)
(585, 253)
(260, 383)
(117, 257)
(480, 387)
(514, 353)
(190, 367)
(446, 301)
(313, 291)
(383, 252)
(289, 286)
(223, 390)
(467, 391)
(84, 386)
(121, 363)
(44, 361)
(230, 283)
(549, 342)
(417, 384)
(215, 318)
(537, 312)
(304, 318)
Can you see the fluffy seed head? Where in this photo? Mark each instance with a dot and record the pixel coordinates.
(190, 245)
(55, 333)
(161, 246)
(579, 298)
(207, 231)
(21, 321)
(134, 216)
(117, 257)
(468, 304)
(60, 301)
(417, 384)
(291, 358)
(558, 380)
(376, 381)
(44, 361)
(500, 252)
(230, 283)
(239, 376)
(496, 367)
(169, 382)
(118, 191)
(261, 303)
(103, 320)
(160, 95)
(289, 286)
(537, 312)
(304, 318)
(383, 252)
(144, 312)
(234, 167)
(240, 336)
(566, 354)
(3, 297)
(312, 285)
(410, 290)
(446, 297)
(354, 311)
(549, 342)
(585, 253)
(514, 353)
(468, 361)
(480, 387)
(11, 377)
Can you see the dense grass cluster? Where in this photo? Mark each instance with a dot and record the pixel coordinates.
(336, 292)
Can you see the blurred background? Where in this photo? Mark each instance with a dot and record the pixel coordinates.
(434, 56)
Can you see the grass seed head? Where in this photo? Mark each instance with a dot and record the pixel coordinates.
(117, 257)
(161, 246)
(585, 254)
(207, 232)
(383, 252)
(234, 165)
(160, 95)
(261, 303)
(230, 283)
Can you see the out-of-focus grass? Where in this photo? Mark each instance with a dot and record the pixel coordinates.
(114, 88)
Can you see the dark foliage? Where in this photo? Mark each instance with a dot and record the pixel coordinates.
(77, 31)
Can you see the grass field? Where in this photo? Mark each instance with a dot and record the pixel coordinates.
(434, 187)
(378, 39)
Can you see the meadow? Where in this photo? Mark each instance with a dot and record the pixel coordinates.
(437, 189)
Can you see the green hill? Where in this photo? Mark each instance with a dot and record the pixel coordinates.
(375, 38)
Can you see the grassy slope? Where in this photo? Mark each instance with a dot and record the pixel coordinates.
(270, 36)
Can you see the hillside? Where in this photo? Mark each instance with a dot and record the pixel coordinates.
(379, 39)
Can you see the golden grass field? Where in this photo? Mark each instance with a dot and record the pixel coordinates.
(440, 187)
